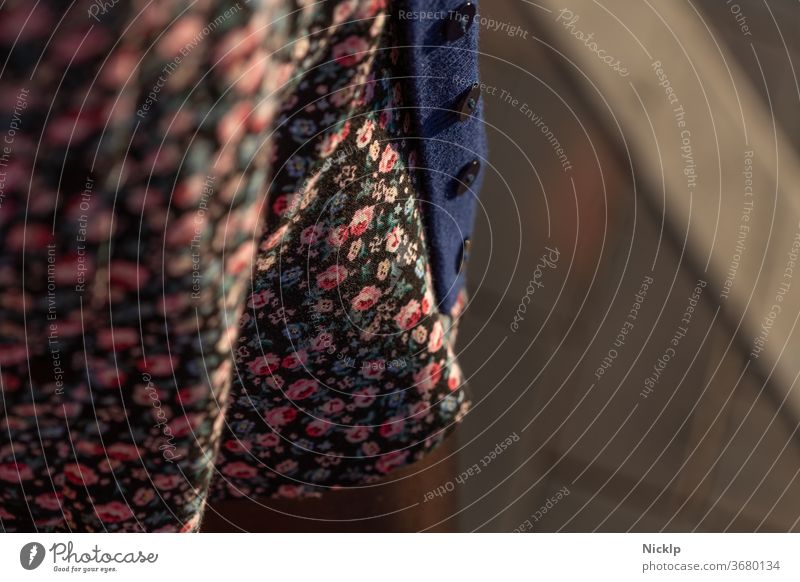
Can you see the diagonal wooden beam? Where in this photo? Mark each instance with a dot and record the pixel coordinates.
(719, 166)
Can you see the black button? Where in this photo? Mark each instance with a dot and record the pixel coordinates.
(469, 102)
(465, 250)
(467, 177)
(460, 21)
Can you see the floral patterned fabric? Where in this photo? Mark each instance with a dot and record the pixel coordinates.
(197, 196)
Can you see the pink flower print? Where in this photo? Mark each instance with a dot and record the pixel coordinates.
(409, 315)
(331, 277)
(301, 389)
(356, 434)
(345, 131)
(67, 268)
(329, 144)
(427, 378)
(366, 298)
(373, 370)
(311, 234)
(128, 275)
(393, 239)
(343, 11)
(12, 354)
(342, 96)
(333, 406)
(17, 21)
(249, 83)
(388, 159)
(182, 231)
(436, 337)
(241, 259)
(338, 236)
(322, 342)
(289, 491)
(123, 452)
(71, 127)
(144, 496)
(113, 512)
(350, 51)
(391, 461)
(282, 204)
(157, 365)
(49, 500)
(419, 409)
(184, 425)
(10, 383)
(167, 482)
(191, 394)
(295, 360)
(187, 193)
(454, 381)
(275, 382)
(364, 134)
(232, 124)
(287, 466)
(265, 365)
(78, 474)
(267, 440)
(236, 446)
(361, 220)
(364, 397)
(117, 339)
(317, 428)
(370, 448)
(179, 35)
(239, 470)
(15, 472)
(109, 377)
(89, 448)
(426, 304)
(280, 416)
(393, 427)
(259, 300)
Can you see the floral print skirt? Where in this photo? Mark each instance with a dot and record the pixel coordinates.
(214, 275)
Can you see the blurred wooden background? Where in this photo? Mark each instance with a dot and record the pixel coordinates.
(714, 447)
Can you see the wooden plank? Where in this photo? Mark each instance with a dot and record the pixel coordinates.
(722, 171)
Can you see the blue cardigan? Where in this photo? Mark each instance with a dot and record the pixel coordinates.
(442, 39)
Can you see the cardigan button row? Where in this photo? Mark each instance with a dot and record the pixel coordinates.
(466, 178)
(456, 27)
